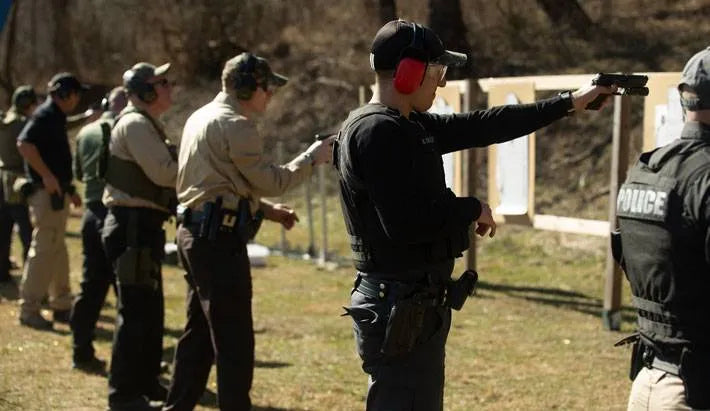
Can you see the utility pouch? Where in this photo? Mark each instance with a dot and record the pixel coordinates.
(405, 325)
(135, 268)
(458, 291)
(694, 370)
(210, 212)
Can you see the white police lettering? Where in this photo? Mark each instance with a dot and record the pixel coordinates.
(635, 201)
(659, 208)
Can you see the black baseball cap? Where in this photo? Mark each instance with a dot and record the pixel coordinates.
(395, 40)
(23, 97)
(66, 82)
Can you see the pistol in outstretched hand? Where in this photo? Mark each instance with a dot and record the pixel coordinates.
(628, 84)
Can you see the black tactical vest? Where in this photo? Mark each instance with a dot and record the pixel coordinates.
(373, 251)
(664, 248)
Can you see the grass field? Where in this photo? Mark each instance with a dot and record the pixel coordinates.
(530, 340)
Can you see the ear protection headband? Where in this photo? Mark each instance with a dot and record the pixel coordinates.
(410, 70)
(244, 81)
(142, 89)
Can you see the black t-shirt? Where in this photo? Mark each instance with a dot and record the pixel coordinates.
(47, 130)
(404, 199)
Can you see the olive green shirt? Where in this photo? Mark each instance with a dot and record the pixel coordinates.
(134, 138)
(222, 154)
(12, 125)
(89, 148)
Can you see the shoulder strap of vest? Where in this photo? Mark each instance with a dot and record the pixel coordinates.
(154, 123)
(341, 154)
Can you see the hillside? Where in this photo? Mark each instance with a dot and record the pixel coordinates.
(323, 47)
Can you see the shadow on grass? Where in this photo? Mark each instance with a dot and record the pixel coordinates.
(570, 300)
(209, 400)
(271, 364)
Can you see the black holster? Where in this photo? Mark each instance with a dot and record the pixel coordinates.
(405, 325)
(247, 225)
(458, 291)
(617, 251)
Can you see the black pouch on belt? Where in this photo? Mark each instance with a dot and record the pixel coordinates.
(405, 325)
(694, 370)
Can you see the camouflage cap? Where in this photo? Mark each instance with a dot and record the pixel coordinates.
(246, 71)
(23, 97)
(141, 73)
(696, 75)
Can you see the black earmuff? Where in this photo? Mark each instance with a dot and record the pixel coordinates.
(142, 89)
(244, 81)
(412, 65)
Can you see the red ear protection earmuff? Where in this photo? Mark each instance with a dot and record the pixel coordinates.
(409, 74)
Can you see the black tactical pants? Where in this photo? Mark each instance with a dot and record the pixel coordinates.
(97, 277)
(412, 381)
(11, 214)
(138, 339)
(219, 324)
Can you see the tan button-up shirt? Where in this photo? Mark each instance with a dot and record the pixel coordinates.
(221, 154)
(134, 138)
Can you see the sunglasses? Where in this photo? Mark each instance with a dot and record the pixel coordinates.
(437, 71)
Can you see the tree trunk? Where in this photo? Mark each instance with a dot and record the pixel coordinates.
(568, 13)
(446, 21)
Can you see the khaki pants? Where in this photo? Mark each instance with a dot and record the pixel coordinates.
(654, 389)
(47, 268)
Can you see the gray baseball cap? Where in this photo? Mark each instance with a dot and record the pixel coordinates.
(696, 75)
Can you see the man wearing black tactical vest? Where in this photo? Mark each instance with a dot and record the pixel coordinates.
(13, 204)
(406, 226)
(97, 274)
(140, 196)
(664, 248)
(44, 145)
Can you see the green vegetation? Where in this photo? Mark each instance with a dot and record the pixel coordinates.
(531, 339)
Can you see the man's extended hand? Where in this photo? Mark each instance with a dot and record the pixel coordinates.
(281, 213)
(485, 222)
(585, 95)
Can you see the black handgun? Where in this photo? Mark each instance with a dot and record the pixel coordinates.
(628, 84)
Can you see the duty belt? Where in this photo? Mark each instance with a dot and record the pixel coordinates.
(189, 217)
(382, 289)
(664, 362)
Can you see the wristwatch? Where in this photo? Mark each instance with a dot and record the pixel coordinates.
(567, 96)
